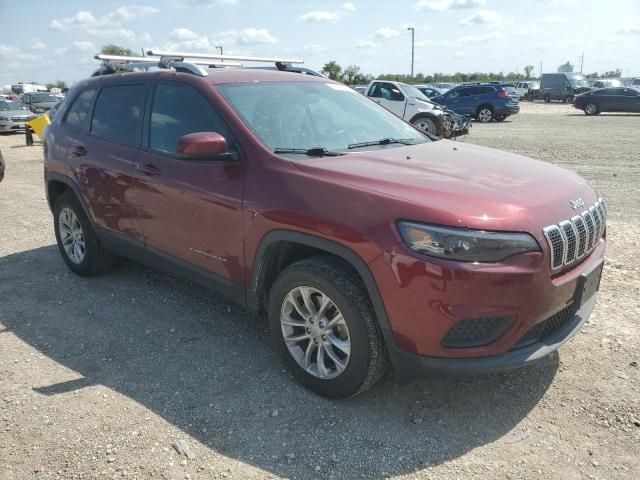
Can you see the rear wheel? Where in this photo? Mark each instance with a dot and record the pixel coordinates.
(323, 325)
(77, 241)
(500, 118)
(591, 109)
(547, 98)
(484, 114)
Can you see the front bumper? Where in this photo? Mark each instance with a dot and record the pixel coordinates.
(12, 126)
(412, 364)
(425, 299)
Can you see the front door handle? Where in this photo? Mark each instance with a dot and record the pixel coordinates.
(149, 170)
(78, 151)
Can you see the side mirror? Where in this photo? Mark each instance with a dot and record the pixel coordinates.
(204, 146)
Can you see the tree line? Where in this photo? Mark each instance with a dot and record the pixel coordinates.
(352, 75)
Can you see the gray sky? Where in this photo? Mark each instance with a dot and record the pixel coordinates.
(57, 40)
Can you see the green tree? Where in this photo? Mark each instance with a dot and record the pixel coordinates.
(111, 49)
(527, 71)
(332, 70)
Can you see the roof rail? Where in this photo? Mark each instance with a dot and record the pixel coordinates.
(223, 58)
(111, 64)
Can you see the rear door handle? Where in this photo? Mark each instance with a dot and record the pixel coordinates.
(149, 170)
(78, 151)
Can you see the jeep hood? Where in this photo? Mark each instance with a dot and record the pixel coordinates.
(472, 186)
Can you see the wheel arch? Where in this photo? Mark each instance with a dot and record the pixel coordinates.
(482, 105)
(58, 184)
(280, 248)
(427, 115)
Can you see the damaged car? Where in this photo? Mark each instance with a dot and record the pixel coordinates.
(410, 104)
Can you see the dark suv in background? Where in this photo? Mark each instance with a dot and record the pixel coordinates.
(361, 239)
(484, 102)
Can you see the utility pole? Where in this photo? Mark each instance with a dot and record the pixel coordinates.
(413, 47)
(540, 68)
(581, 61)
(220, 47)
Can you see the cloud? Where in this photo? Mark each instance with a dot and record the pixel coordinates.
(459, 54)
(630, 29)
(203, 3)
(37, 44)
(182, 33)
(384, 33)
(552, 20)
(313, 48)
(485, 37)
(109, 25)
(443, 5)
(320, 16)
(366, 44)
(254, 36)
(481, 17)
(84, 45)
(327, 16)
(9, 52)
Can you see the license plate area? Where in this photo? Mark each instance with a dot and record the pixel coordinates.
(589, 283)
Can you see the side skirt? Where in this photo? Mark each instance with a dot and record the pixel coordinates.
(125, 247)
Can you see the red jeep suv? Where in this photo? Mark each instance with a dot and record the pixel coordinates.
(362, 240)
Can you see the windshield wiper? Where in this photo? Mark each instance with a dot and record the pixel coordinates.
(382, 141)
(312, 152)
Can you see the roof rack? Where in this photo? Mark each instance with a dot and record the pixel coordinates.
(194, 63)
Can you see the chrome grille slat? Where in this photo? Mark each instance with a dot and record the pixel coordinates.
(571, 240)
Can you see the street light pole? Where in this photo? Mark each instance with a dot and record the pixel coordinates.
(413, 48)
(220, 47)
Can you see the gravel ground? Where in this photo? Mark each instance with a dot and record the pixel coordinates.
(99, 378)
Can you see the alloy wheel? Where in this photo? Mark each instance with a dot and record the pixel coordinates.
(485, 115)
(591, 108)
(71, 235)
(315, 332)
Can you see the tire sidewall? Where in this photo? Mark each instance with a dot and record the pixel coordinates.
(425, 118)
(349, 381)
(480, 110)
(68, 200)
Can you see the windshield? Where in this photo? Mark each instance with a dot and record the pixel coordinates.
(579, 83)
(412, 92)
(44, 98)
(7, 106)
(310, 115)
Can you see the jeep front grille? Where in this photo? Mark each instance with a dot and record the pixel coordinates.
(570, 240)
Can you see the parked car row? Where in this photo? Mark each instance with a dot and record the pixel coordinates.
(13, 116)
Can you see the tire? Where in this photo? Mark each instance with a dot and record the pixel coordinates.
(591, 109)
(484, 114)
(425, 124)
(366, 361)
(72, 226)
(500, 118)
(547, 99)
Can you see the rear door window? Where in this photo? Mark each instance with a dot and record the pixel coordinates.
(79, 110)
(117, 116)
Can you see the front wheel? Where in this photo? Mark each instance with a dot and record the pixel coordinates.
(591, 109)
(484, 115)
(322, 323)
(547, 99)
(425, 124)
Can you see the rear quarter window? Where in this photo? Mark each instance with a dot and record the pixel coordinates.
(79, 110)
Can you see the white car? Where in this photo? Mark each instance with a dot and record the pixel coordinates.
(528, 90)
(410, 104)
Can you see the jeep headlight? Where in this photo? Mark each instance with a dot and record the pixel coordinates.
(463, 244)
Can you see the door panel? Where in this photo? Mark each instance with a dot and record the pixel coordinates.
(102, 156)
(190, 209)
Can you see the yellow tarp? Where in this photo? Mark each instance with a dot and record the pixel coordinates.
(38, 125)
